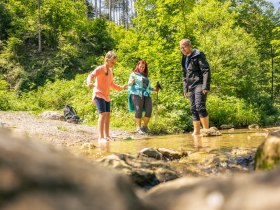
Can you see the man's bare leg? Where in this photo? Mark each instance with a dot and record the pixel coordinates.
(205, 122)
(196, 128)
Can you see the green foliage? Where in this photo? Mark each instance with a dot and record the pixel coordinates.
(256, 17)
(5, 23)
(95, 37)
(231, 110)
(60, 17)
(70, 42)
(230, 50)
(10, 101)
(239, 38)
(4, 97)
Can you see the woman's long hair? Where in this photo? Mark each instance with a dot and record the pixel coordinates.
(137, 69)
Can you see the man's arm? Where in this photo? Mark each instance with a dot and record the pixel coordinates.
(185, 79)
(205, 70)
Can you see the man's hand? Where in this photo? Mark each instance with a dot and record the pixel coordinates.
(186, 94)
(205, 92)
(125, 87)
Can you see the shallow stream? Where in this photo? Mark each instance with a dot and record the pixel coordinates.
(229, 140)
(232, 152)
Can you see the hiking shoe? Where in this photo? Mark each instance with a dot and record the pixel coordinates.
(145, 129)
(140, 131)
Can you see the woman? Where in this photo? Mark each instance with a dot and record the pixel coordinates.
(140, 95)
(103, 76)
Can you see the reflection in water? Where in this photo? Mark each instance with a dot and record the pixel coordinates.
(197, 141)
(105, 146)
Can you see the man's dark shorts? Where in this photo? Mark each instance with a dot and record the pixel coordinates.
(102, 105)
(198, 103)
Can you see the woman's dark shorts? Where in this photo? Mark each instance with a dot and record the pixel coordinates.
(102, 105)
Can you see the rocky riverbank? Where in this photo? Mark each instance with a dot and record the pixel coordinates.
(36, 176)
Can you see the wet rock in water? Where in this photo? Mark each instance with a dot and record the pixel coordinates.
(144, 172)
(2, 124)
(224, 126)
(231, 130)
(243, 158)
(268, 153)
(87, 146)
(169, 154)
(37, 176)
(254, 127)
(151, 153)
(51, 115)
(257, 191)
(245, 161)
(213, 131)
(165, 174)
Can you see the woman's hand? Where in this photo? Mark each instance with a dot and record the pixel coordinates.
(125, 87)
(90, 85)
(132, 82)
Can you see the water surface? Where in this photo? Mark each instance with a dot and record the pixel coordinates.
(237, 139)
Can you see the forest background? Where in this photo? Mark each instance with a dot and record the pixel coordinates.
(48, 47)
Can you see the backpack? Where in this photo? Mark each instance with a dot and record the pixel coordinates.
(70, 114)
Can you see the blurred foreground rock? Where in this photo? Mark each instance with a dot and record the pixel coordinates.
(268, 154)
(36, 176)
(259, 191)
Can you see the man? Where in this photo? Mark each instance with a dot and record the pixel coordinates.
(196, 80)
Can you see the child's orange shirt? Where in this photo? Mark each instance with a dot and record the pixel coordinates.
(103, 83)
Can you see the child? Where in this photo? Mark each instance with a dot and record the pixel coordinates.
(103, 76)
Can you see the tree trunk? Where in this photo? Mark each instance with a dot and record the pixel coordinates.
(96, 11)
(272, 75)
(99, 14)
(39, 28)
(110, 10)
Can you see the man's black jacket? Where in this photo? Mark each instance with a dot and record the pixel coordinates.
(197, 72)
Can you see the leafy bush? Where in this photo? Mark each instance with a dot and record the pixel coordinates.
(231, 110)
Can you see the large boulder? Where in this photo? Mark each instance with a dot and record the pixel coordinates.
(252, 191)
(143, 171)
(38, 176)
(268, 153)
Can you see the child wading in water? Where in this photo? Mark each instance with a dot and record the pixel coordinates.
(103, 76)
